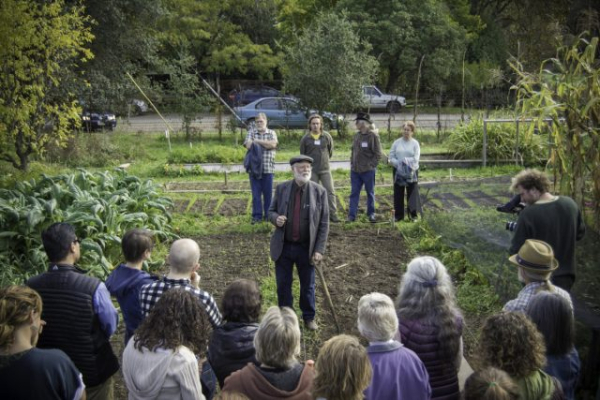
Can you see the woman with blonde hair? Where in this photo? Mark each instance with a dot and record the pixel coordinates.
(431, 324)
(343, 370)
(404, 157)
(490, 384)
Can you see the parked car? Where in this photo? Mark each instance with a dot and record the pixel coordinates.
(249, 94)
(91, 121)
(283, 112)
(376, 99)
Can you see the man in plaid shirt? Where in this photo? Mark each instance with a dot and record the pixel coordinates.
(183, 260)
(262, 183)
(535, 262)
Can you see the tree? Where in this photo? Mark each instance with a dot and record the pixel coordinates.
(40, 44)
(403, 31)
(568, 87)
(328, 65)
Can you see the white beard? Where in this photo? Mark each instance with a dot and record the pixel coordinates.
(302, 177)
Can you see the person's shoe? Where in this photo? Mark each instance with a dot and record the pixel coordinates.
(372, 218)
(334, 218)
(311, 325)
(350, 219)
(256, 221)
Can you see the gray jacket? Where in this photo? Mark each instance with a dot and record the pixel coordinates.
(319, 217)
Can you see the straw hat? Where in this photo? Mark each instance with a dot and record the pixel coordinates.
(536, 257)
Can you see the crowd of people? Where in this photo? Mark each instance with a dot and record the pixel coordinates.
(179, 343)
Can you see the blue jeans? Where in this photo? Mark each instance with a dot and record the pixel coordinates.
(295, 253)
(357, 180)
(262, 192)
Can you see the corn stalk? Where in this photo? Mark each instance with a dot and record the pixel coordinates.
(568, 87)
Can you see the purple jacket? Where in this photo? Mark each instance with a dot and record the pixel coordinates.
(422, 339)
(397, 373)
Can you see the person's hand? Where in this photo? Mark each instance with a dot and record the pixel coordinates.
(195, 280)
(317, 257)
(281, 220)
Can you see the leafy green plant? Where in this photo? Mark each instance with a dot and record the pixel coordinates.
(466, 142)
(102, 207)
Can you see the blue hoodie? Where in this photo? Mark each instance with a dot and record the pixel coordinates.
(125, 284)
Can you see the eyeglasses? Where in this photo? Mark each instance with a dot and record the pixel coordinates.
(77, 241)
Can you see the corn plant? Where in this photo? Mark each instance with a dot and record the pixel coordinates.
(567, 88)
(101, 206)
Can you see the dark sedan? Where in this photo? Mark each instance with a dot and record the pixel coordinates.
(283, 113)
(91, 121)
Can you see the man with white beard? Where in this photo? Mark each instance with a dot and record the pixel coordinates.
(300, 213)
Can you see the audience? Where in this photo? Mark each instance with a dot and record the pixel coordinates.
(431, 324)
(280, 375)
(535, 262)
(511, 342)
(398, 373)
(343, 370)
(160, 362)
(183, 258)
(490, 384)
(554, 318)
(28, 373)
(231, 345)
(126, 281)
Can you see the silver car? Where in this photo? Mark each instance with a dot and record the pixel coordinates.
(376, 99)
(282, 113)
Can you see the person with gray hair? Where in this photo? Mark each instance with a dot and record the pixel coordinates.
(280, 375)
(398, 373)
(431, 323)
(183, 259)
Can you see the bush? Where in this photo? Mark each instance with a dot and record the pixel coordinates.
(207, 154)
(466, 142)
(101, 207)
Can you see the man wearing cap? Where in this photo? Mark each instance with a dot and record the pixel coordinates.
(554, 219)
(318, 145)
(535, 261)
(366, 153)
(300, 213)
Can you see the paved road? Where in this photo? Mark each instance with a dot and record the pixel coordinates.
(208, 122)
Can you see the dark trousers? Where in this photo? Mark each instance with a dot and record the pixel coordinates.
(357, 180)
(412, 193)
(262, 192)
(295, 253)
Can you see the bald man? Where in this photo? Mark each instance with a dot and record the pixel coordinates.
(183, 259)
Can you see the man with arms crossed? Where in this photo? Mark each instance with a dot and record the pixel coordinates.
(301, 214)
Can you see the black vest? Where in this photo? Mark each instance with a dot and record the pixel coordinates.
(71, 323)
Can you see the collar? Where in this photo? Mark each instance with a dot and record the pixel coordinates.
(56, 267)
(383, 347)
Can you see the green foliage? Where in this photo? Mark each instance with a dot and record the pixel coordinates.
(401, 32)
(207, 154)
(101, 206)
(568, 87)
(466, 142)
(40, 45)
(328, 65)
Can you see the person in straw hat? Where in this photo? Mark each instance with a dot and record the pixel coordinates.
(535, 261)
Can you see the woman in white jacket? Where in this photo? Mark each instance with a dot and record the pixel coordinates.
(404, 157)
(160, 361)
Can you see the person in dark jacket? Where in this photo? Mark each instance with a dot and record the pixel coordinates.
(231, 345)
(80, 315)
(431, 324)
(126, 281)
